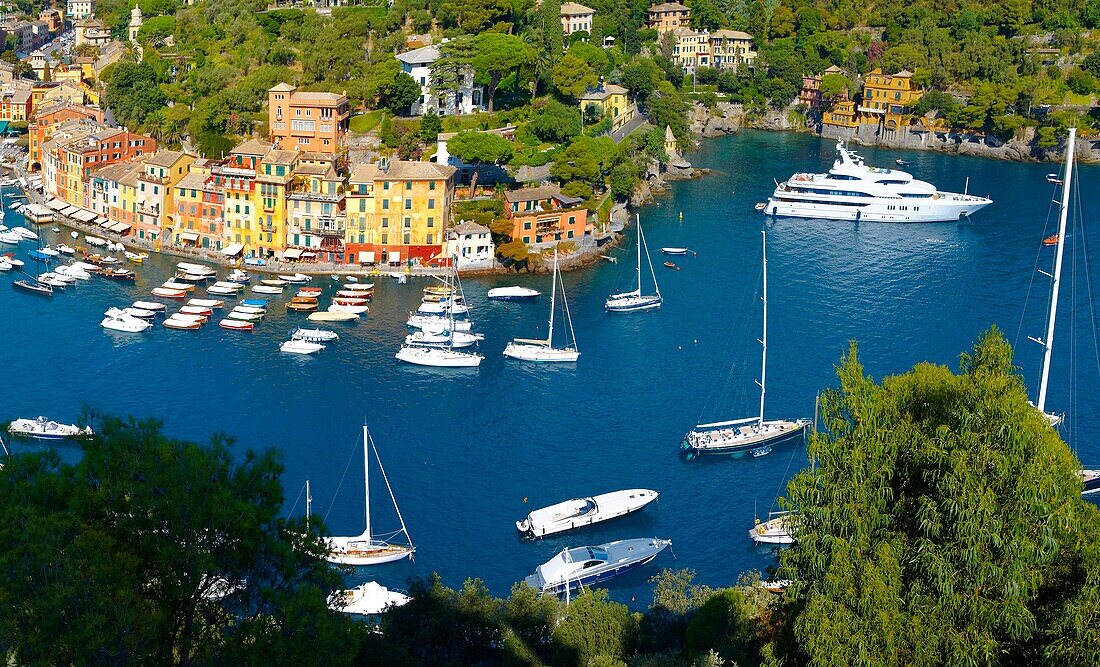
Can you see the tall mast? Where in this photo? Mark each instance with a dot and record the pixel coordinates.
(309, 501)
(764, 339)
(1048, 343)
(638, 221)
(366, 480)
(553, 291)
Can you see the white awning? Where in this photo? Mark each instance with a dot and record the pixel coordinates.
(308, 255)
(56, 204)
(68, 211)
(120, 228)
(189, 236)
(393, 257)
(292, 253)
(366, 257)
(84, 216)
(104, 222)
(232, 249)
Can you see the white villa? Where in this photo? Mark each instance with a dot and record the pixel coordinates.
(417, 64)
(472, 244)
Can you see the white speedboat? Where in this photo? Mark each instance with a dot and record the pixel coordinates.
(10, 238)
(140, 313)
(196, 310)
(5, 265)
(778, 529)
(436, 323)
(24, 233)
(443, 357)
(238, 276)
(221, 291)
(674, 251)
(265, 289)
(442, 307)
(178, 286)
(512, 293)
(244, 316)
(580, 512)
(167, 293)
(65, 250)
(229, 285)
(367, 548)
(120, 320)
(73, 271)
(235, 324)
(184, 322)
(634, 300)
(369, 599)
(46, 429)
(301, 347)
(196, 269)
(542, 349)
(14, 261)
(586, 566)
(455, 339)
(296, 278)
(348, 308)
(853, 191)
(206, 303)
(315, 335)
(150, 305)
(358, 287)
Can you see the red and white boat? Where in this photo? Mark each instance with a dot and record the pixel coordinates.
(236, 325)
(167, 293)
(353, 294)
(350, 302)
(175, 322)
(310, 292)
(196, 310)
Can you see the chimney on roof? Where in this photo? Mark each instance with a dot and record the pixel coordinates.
(384, 164)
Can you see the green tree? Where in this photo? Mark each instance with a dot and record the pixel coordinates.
(572, 76)
(622, 179)
(587, 159)
(593, 628)
(478, 148)
(556, 122)
(937, 523)
(834, 86)
(155, 30)
(641, 77)
(430, 127)
(401, 93)
(132, 92)
(496, 54)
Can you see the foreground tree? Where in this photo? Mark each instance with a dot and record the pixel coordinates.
(941, 523)
(478, 148)
(151, 550)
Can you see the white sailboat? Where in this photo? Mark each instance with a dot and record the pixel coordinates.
(749, 433)
(445, 354)
(1090, 478)
(366, 548)
(634, 300)
(537, 349)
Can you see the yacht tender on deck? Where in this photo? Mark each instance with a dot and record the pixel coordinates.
(853, 191)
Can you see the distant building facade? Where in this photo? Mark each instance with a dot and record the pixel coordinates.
(307, 121)
(612, 101)
(542, 216)
(79, 9)
(888, 99)
(668, 16)
(576, 18)
(469, 98)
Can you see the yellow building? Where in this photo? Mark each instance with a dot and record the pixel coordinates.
(156, 192)
(843, 114)
(273, 177)
(888, 99)
(612, 101)
(397, 212)
(315, 225)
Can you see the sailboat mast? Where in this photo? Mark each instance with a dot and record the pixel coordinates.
(366, 480)
(309, 501)
(764, 339)
(638, 222)
(553, 293)
(1048, 342)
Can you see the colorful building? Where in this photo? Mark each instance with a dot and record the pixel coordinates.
(197, 211)
(668, 16)
(888, 99)
(315, 211)
(543, 216)
(810, 94)
(397, 212)
(307, 121)
(576, 18)
(471, 244)
(722, 49)
(273, 177)
(842, 114)
(468, 98)
(612, 102)
(49, 116)
(236, 177)
(156, 190)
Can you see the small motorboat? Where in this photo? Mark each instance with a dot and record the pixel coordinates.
(359, 287)
(511, 293)
(351, 279)
(609, 258)
(315, 335)
(150, 305)
(206, 303)
(301, 347)
(51, 278)
(135, 257)
(778, 529)
(761, 451)
(166, 293)
(9, 238)
(302, 307)
(76, 271)
(311, 292)
(177, 322)
(674, 251)
(445, 290)
(96, 241)
(265, 289)
(347, 308)
(335, 278)
(221, 291)
(350, 302)
(586, 566)
(182, 287)
(43, 254)
(369, 599)
(332, 316)
(193, 317)
(254, 303)
(5, 265)
(118, 274)
(436, 323)
(244, 315)
(140, 313)
(226, 284)
(580, 512)
(671, 266)
(274, 282)
(296, 278)
(119, 320)
(354, 294)
(196, 310)
(303, 299)
(74, 235)
(33, 287)
(13, 260)
(24, 232)
(902, 163)
(1051, 240)
(190, 278)
(1053, 178)
(760, 206)
(64, 249)
(197, 269)
(236, 325)
(46, 429)
(238, 276)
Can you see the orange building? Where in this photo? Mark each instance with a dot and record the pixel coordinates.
(307, 121)
(543, 215)
(888, 99)
(668, 16)
(47, 118)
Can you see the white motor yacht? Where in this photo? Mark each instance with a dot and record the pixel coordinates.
(120, 320)
(580, 512)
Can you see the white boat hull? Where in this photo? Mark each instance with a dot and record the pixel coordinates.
(541, 353)
(439, 357)
(581, 512)
(948, 211)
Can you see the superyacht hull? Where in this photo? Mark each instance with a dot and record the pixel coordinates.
(951, 211)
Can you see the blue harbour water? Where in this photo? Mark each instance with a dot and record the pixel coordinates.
(465, 448)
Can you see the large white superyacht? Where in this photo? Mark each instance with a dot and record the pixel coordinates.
(853, 191)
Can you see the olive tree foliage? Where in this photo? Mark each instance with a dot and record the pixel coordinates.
(940, 524)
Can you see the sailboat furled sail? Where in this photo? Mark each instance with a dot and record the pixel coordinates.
(367, 549)
(634, 300)
(739, 435)
(538, 349)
